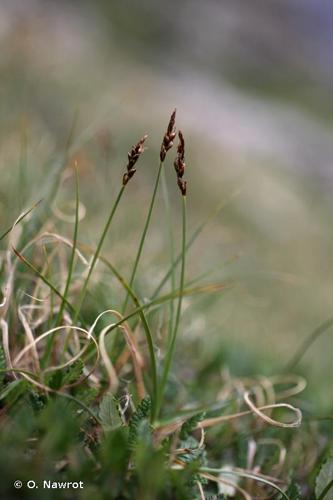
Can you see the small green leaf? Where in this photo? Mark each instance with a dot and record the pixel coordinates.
(109, 412)
(324, 481)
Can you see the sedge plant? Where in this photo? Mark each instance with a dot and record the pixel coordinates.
(61, 408)
(133, 157)
(179, 165)
(167, 144)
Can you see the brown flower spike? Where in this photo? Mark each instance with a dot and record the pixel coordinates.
(133, 157)
(180, 164)
(169, 136)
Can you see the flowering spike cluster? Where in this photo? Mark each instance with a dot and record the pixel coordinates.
(169, 136)
(179, 164)
(133, 157)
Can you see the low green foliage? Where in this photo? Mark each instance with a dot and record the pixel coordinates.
(190, 425)
(109, 413)
(139, 421)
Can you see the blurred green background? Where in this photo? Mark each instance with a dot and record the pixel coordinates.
(252, 83)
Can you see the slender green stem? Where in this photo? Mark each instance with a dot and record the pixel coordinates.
(176, 261)
(186, 292)
(81, 404)
(171, 347)
(27, 212)
(144, 234)
(146, 327)
(306, 344)
(44, 279)
(50, 339)
(47, 282)
(172, 250)
(48, 275)
(72, 257)
(98, 250)
(190, 242)
(70, 136)
(23, 165)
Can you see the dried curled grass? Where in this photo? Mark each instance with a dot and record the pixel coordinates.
(137, 358)
(266, 396)
(268, 403)
(266, 390)
(37, 378)
(5, 344)
(29, 357)
(260, 395)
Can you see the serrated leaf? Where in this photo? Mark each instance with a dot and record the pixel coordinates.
(109, 413)
(191, 424)
(142, 413)
(324, 481)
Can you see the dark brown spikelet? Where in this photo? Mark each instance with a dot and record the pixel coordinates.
(182, 186)
(133, 157)
(180, 164)
(169, 136)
